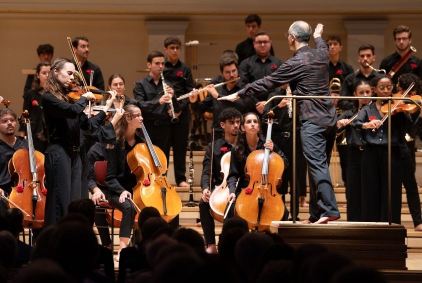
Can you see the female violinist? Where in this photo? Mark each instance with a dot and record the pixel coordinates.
(248, 140)
(229, 122)
(32, 102)
(9, 144)
(354, 151)
(64, 122)
(116, 82)
(119, 178)
(375, 155)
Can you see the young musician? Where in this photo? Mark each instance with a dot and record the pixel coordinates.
(64, 121)
(32, 101)
(407, 148)
(117, 82)
(9, 144)
(120, 179)
(229, 122)
(375, 155)
(354, 152)
(247, 141)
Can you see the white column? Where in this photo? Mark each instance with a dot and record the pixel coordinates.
(364, 32)
(159, 30)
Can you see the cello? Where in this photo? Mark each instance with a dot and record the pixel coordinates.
(260, 203)
(149, 164)
(220, 194)
(26, 168)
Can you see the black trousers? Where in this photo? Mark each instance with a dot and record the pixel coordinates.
(317, 144)
(411, 186)
(128, 214)
(179, 143)
(375, 184)
(354, 185)
(63, 181)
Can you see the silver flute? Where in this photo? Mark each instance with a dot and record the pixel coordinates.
(174, 119)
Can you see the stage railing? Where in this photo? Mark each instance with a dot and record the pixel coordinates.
(293, 163)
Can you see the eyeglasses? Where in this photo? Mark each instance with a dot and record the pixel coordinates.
(5, 120)
(383, 87)
(262, 42)
(287, 34)
(174, 48)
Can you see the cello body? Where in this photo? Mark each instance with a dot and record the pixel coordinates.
(26, 168)
(260, 203)
(218, 198)
(149, 164)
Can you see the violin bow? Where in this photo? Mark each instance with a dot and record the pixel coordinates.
(78, 65)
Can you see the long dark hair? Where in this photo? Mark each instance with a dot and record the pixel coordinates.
(121, 126)
(36, 84)
(239, 147)
(52, 85)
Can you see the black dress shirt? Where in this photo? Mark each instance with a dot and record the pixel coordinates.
(97, 80)
(245, 49)
(148, 94)
(221, 146)
(179, 76)
(66, 120)
(401, 124)
(353, 136)
(237, 168)
(412, 65)
(307, 74)
(253, 69)
(340, 71)
(119, 176)
(6, 154)
(348, 87)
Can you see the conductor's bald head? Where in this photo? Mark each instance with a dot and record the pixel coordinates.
(301, 30)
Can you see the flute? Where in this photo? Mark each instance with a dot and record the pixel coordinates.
(202, 90)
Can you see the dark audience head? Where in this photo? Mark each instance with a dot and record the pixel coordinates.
(42, 270)
(227, 244)
(152, 225)
(304, 253)
(276, 270)
(192, 238)
(234, 222)
(14, 217)
(146, 213)
(8, 249)
(322, 268)
(42, 248)
(361, 274)
(83, 206)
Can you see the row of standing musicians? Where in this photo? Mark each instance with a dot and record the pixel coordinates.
(184, 76)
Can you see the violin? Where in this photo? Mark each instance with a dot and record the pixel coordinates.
(27, 170)
(76, 92)
(402, 105)
(149, 164)
(220, 194)
(260, 203)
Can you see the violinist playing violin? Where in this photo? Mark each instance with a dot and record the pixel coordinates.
(64, 122)
(119, 178)
(247, 141)
(229, 122)
(9, 144)
(354, 151)
(407, 148)
(375, 155)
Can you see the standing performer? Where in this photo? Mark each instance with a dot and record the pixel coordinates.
(32, 101)
(413, 65)
(45, 53)
(9, 144)
(354, 152)
(375, 156)
(230, 122)
(307, 74)
(64, 122)
(120, 179)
